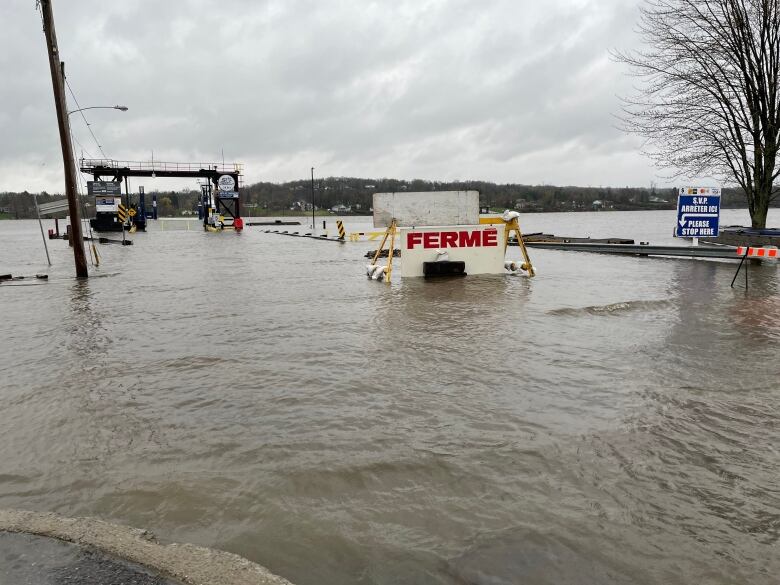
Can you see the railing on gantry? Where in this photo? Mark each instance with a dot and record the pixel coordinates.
(154, 166)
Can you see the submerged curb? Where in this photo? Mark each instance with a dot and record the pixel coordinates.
(190, 564)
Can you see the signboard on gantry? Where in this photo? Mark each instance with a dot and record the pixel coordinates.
(96, 188)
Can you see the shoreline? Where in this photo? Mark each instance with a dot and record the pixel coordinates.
(187, 563)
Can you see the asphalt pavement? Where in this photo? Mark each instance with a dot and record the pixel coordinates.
(26, 559)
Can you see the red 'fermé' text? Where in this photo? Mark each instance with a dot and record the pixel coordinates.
(459, 239)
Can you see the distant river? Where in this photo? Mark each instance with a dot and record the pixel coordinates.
(614, 420)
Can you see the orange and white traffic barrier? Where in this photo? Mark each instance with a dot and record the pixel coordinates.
(770, 252)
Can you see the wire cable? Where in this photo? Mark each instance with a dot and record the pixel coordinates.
(86, 227)
(86, 224)
(89, 126)
(81, 146)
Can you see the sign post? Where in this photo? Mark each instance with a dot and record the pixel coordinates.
(122, 215)
(698, 213)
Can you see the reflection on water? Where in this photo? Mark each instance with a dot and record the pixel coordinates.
(613, 420)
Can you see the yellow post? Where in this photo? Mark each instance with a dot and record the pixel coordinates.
(507, 229)
(515, 225)
(390, 253)
(382, 245)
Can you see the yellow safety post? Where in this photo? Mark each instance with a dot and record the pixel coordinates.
(389, 232)
(512, 225)
(122, 213)
(381, 246)
(342, 231)
(370, 236)
(389, 270)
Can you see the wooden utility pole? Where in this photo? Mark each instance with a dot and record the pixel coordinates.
(58, 82)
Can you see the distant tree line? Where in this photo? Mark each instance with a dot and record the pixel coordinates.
(356, 193)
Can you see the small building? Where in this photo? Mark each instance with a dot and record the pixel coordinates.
(340, 208)
(302, 206)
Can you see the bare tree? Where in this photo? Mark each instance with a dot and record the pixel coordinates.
(707, 97)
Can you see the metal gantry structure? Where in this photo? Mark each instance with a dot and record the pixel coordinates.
(224, 180)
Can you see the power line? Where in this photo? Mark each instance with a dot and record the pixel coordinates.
(85, 221)
(81, 146)
(89, 126)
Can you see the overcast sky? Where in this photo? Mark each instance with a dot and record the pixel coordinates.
(501, 90)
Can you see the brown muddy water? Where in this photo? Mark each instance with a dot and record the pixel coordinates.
(615, 420)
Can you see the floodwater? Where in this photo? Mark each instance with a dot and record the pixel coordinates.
(614, 420)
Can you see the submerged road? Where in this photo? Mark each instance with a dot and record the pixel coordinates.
(613, 420)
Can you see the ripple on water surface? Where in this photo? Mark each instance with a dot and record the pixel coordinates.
(614, 420)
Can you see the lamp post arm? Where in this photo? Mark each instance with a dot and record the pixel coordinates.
(120, 108)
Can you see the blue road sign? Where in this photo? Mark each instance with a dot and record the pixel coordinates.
(698, 212)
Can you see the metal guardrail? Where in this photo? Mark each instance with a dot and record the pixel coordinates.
(87, 164)
(643, 249)
(53, 207)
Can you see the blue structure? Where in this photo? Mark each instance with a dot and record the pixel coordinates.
(140, 217)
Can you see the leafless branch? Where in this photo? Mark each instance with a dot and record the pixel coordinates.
(706, 100)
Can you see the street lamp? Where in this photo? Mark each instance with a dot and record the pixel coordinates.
(120, 108)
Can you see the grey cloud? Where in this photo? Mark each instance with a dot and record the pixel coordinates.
(504, 90)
